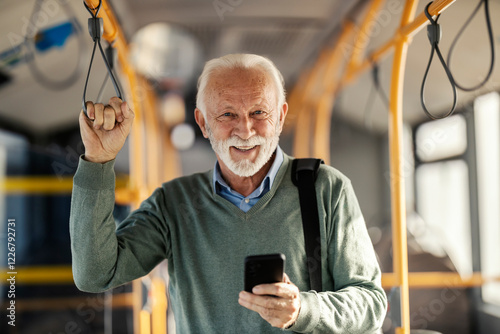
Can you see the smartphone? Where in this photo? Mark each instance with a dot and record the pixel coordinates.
(262, 269)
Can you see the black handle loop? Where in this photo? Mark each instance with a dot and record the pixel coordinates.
(95, 31)
(434, 35)
(374, 89)
(491, 40)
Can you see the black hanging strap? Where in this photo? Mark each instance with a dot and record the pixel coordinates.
(304, 173)
(434, 35)
(95, 30)
(491, 38)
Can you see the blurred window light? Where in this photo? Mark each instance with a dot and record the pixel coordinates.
(183, 136)
(441, 139)
(487, 129)
(443, 203)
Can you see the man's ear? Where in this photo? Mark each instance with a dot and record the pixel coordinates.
(283, 113)
(200, 120)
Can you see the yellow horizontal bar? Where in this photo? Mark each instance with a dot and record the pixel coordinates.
(63, 275)
(437, 7)
(45, 184)
(38, 275)
(122, 300)
(438, 280)
(36, 184)
(405, 32)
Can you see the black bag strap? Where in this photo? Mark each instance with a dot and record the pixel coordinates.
(304, 173)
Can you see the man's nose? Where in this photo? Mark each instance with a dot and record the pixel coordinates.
(244, 128)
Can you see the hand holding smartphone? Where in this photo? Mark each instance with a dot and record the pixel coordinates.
(263, 269)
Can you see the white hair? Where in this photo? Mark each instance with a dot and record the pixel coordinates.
(237, 61)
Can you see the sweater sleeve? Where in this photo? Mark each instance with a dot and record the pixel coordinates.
(105, 255)
(358, 304)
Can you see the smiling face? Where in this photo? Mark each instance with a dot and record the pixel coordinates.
(242, 119)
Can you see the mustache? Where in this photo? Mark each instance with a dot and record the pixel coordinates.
(237, 141)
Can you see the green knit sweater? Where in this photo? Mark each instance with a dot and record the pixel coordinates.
(205, 239)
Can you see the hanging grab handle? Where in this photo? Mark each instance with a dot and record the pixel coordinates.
(95, 31)
(434, 35)
(491, 42)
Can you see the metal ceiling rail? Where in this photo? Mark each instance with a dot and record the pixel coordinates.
(323, 106)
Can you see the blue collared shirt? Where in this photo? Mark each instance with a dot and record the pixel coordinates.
(246, 203)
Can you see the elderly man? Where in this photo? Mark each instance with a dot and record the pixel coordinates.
(206, 224)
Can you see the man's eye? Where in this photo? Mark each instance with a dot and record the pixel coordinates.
(259, 113)
(226, 116)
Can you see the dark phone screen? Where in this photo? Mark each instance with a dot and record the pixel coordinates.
(262, 269)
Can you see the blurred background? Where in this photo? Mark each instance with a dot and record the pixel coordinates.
(336, 61)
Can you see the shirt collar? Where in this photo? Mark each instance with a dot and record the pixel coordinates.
(268, 179)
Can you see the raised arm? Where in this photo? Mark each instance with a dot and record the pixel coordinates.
(105, 255)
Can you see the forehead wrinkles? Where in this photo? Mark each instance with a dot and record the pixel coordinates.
(241, 86)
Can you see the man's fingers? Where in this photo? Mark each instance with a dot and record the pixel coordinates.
(98, 115)
(279, 312)
(116, 102)
(283, 290)
(90, 109)
(262, 303)
(109, 118)
(84, 120)
(286, 279)
(127, 113)
(106, 116)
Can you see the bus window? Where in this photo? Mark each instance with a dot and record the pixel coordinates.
(487, 130)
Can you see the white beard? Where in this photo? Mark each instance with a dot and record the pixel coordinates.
(245, 167)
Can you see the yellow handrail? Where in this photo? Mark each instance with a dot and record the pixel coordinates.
(405, 32)
(432, 280)
(62, 274)
(45, 184)
(159, 306)
(30, 304)
(398, 204)
(409, 26)
(147, 146)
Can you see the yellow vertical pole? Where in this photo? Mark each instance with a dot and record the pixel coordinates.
(137, 308)
(322, 127)
(300, 106)
(399, 241)
(145, 327)
(159, 306)
(331, 79)
(324, 105)
(364, 34)
(301, 142)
